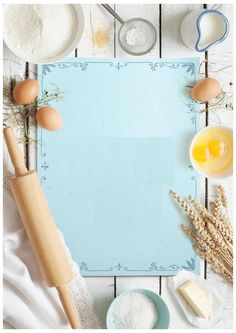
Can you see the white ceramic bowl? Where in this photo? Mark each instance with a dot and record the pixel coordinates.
(222, 175)
(162, 310)
(73, 45)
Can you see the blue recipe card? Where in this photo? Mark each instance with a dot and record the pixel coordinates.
(107, 173)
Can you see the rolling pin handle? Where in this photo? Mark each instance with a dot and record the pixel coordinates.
(14, 152)
(40, 227)
(68, 306)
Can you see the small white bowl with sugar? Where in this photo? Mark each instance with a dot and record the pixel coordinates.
(138, 309)
(42, 33)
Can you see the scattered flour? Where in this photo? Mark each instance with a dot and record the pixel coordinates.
(134, 311)
(39, 31)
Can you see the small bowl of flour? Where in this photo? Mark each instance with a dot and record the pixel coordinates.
(42, 33)
(138, 309)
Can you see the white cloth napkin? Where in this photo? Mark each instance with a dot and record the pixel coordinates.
(27, 301)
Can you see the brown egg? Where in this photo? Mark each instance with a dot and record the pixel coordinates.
(205, 90)
(49, 118)
(26, 91)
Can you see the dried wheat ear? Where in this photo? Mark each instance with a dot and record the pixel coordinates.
(210, 231)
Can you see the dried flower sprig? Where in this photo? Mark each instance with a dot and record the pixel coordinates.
(210, 232)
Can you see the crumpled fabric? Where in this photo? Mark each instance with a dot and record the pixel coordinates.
(27, 302)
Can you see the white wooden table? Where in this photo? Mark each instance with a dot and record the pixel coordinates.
(166, 18)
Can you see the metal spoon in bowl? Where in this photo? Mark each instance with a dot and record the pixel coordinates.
(136, 36)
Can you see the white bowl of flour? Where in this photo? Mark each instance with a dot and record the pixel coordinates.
(42, 33)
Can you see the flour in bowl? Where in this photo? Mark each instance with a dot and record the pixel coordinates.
(39, 31)
(135, 37)
(134, 311)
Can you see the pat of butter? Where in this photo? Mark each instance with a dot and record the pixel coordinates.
(196, 297)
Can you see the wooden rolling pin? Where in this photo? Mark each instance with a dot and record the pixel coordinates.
(40, 228)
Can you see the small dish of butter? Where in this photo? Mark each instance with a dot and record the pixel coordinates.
(199, 299)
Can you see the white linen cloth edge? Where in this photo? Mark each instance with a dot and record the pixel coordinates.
(27, 301)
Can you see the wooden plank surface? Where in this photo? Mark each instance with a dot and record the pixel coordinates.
(99, 40)
(220, 60)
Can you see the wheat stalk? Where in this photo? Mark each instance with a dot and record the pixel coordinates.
(190, 212)
(203, 212)
(216, 263)
(211, 232)
(222, 220)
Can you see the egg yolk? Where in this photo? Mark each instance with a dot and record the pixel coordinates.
(201, 154)
(217, 148)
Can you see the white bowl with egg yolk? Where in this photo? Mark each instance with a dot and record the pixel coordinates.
(199, 166)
